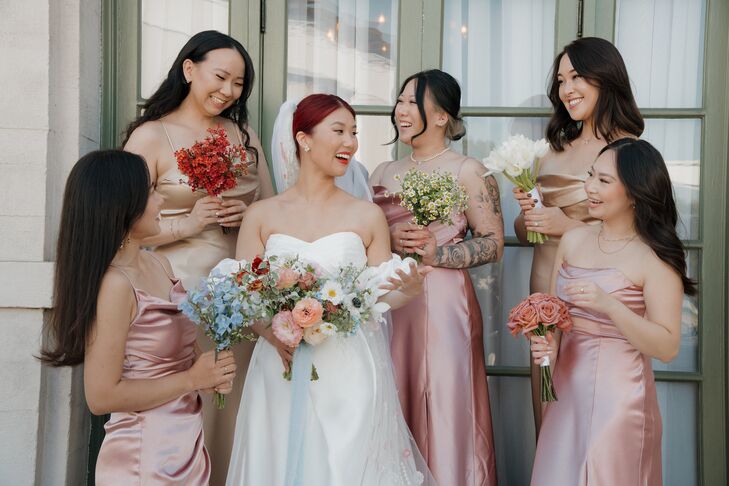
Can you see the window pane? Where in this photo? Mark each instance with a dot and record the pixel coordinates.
(500, 51)
(678, 404)
(499, 287)
(166, 26)
(483, 134)
(374, 133)
(511, 416)
(662, 42)
(679, 141)
(345, 47)
(688, 355)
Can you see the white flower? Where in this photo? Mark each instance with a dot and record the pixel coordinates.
(314, 334)
(327, 329)
(226, 267)
(541, 147)
(332, 292)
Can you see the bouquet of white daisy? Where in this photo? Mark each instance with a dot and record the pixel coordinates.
(517, 158)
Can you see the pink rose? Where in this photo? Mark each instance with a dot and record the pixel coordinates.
(307, 281)
(523, 318)
(549, 314)
(286, 330)
(287, 278)
(307, 312)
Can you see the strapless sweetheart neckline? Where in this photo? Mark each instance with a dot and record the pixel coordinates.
(336, 233)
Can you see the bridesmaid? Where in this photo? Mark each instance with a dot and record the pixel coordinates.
(624, 281)
(593, 105)
(207, 86)
(116, 311)
(437, 342)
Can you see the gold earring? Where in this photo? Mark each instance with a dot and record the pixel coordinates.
(306, 148)
(124, 243)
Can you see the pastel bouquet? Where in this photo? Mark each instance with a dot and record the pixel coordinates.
(303, 306)
(517, 158)
(217, 307)
(539, 314)
(431, 197)
(212, 164)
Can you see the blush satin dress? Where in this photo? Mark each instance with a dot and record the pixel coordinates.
(163, 445)
(437, 351)
(605, 429)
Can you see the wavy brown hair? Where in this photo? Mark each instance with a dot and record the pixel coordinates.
(616, 112)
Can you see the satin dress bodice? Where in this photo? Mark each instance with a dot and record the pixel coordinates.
(605, 429)
(163, 445)
(437, 351)
(566, 192)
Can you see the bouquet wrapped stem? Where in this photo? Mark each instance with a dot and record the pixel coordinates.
(548, 392)
(527, 183)
(218, 398)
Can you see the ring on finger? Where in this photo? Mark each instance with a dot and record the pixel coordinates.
(582, 290)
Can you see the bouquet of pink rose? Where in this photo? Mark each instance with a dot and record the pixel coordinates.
(539, 314)
(303, 305)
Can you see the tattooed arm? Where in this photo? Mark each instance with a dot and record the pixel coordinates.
(484, 220)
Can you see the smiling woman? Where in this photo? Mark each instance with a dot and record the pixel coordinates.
(207, 86)
(593, 105)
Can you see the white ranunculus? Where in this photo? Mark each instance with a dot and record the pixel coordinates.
(314, 334)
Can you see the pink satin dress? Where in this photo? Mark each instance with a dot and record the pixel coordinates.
(605, 429)
(163, 445)
(437, 351)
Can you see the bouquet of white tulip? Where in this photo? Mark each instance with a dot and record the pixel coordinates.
(517, 158)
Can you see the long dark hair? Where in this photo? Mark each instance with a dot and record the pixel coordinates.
(601, 64)
(446, 94)
(313, 109)
(174, 89)
(106, 193)
(643, 172)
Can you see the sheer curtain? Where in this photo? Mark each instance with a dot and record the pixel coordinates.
(166, 26)
(349, 48)
(662, 42)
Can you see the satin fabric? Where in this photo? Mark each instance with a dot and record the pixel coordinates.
(354, 433)
(605, 429)
(163, 445)
(566, 192)
(437, 352)
(192, 259)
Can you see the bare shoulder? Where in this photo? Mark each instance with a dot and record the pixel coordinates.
(146, 138)
(577, 236)
(116, 295)
(376, 176)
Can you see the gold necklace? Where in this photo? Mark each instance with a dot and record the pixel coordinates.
(428, 158)
(626, 239)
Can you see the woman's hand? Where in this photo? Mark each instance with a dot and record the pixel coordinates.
(411, 283)
(525, 200)
(550, 221)
(405, 237)
(588, 295)
(207, 372)
(232, 213)
(203, 213)
(285, 352)
(428, 246)
(543, 346)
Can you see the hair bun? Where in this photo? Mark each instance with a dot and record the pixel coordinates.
(455, 130)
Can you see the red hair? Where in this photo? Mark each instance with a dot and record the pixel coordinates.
(313, 109)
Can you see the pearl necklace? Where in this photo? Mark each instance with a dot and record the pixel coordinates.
(428, 158)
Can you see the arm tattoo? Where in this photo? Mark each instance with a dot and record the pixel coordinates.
(478, 250)
(488, 195)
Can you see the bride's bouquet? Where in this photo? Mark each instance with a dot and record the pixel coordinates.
(431, 197)
(539, 314)
(302, 305)
(517, 158)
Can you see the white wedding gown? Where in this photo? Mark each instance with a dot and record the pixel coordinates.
(353, 432)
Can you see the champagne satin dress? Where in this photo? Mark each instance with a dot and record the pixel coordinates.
(605, 429)
(566, 192)
(163, 445)
(437, 351)
(192, 259)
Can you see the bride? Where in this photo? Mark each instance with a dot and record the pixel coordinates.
(346, 428)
